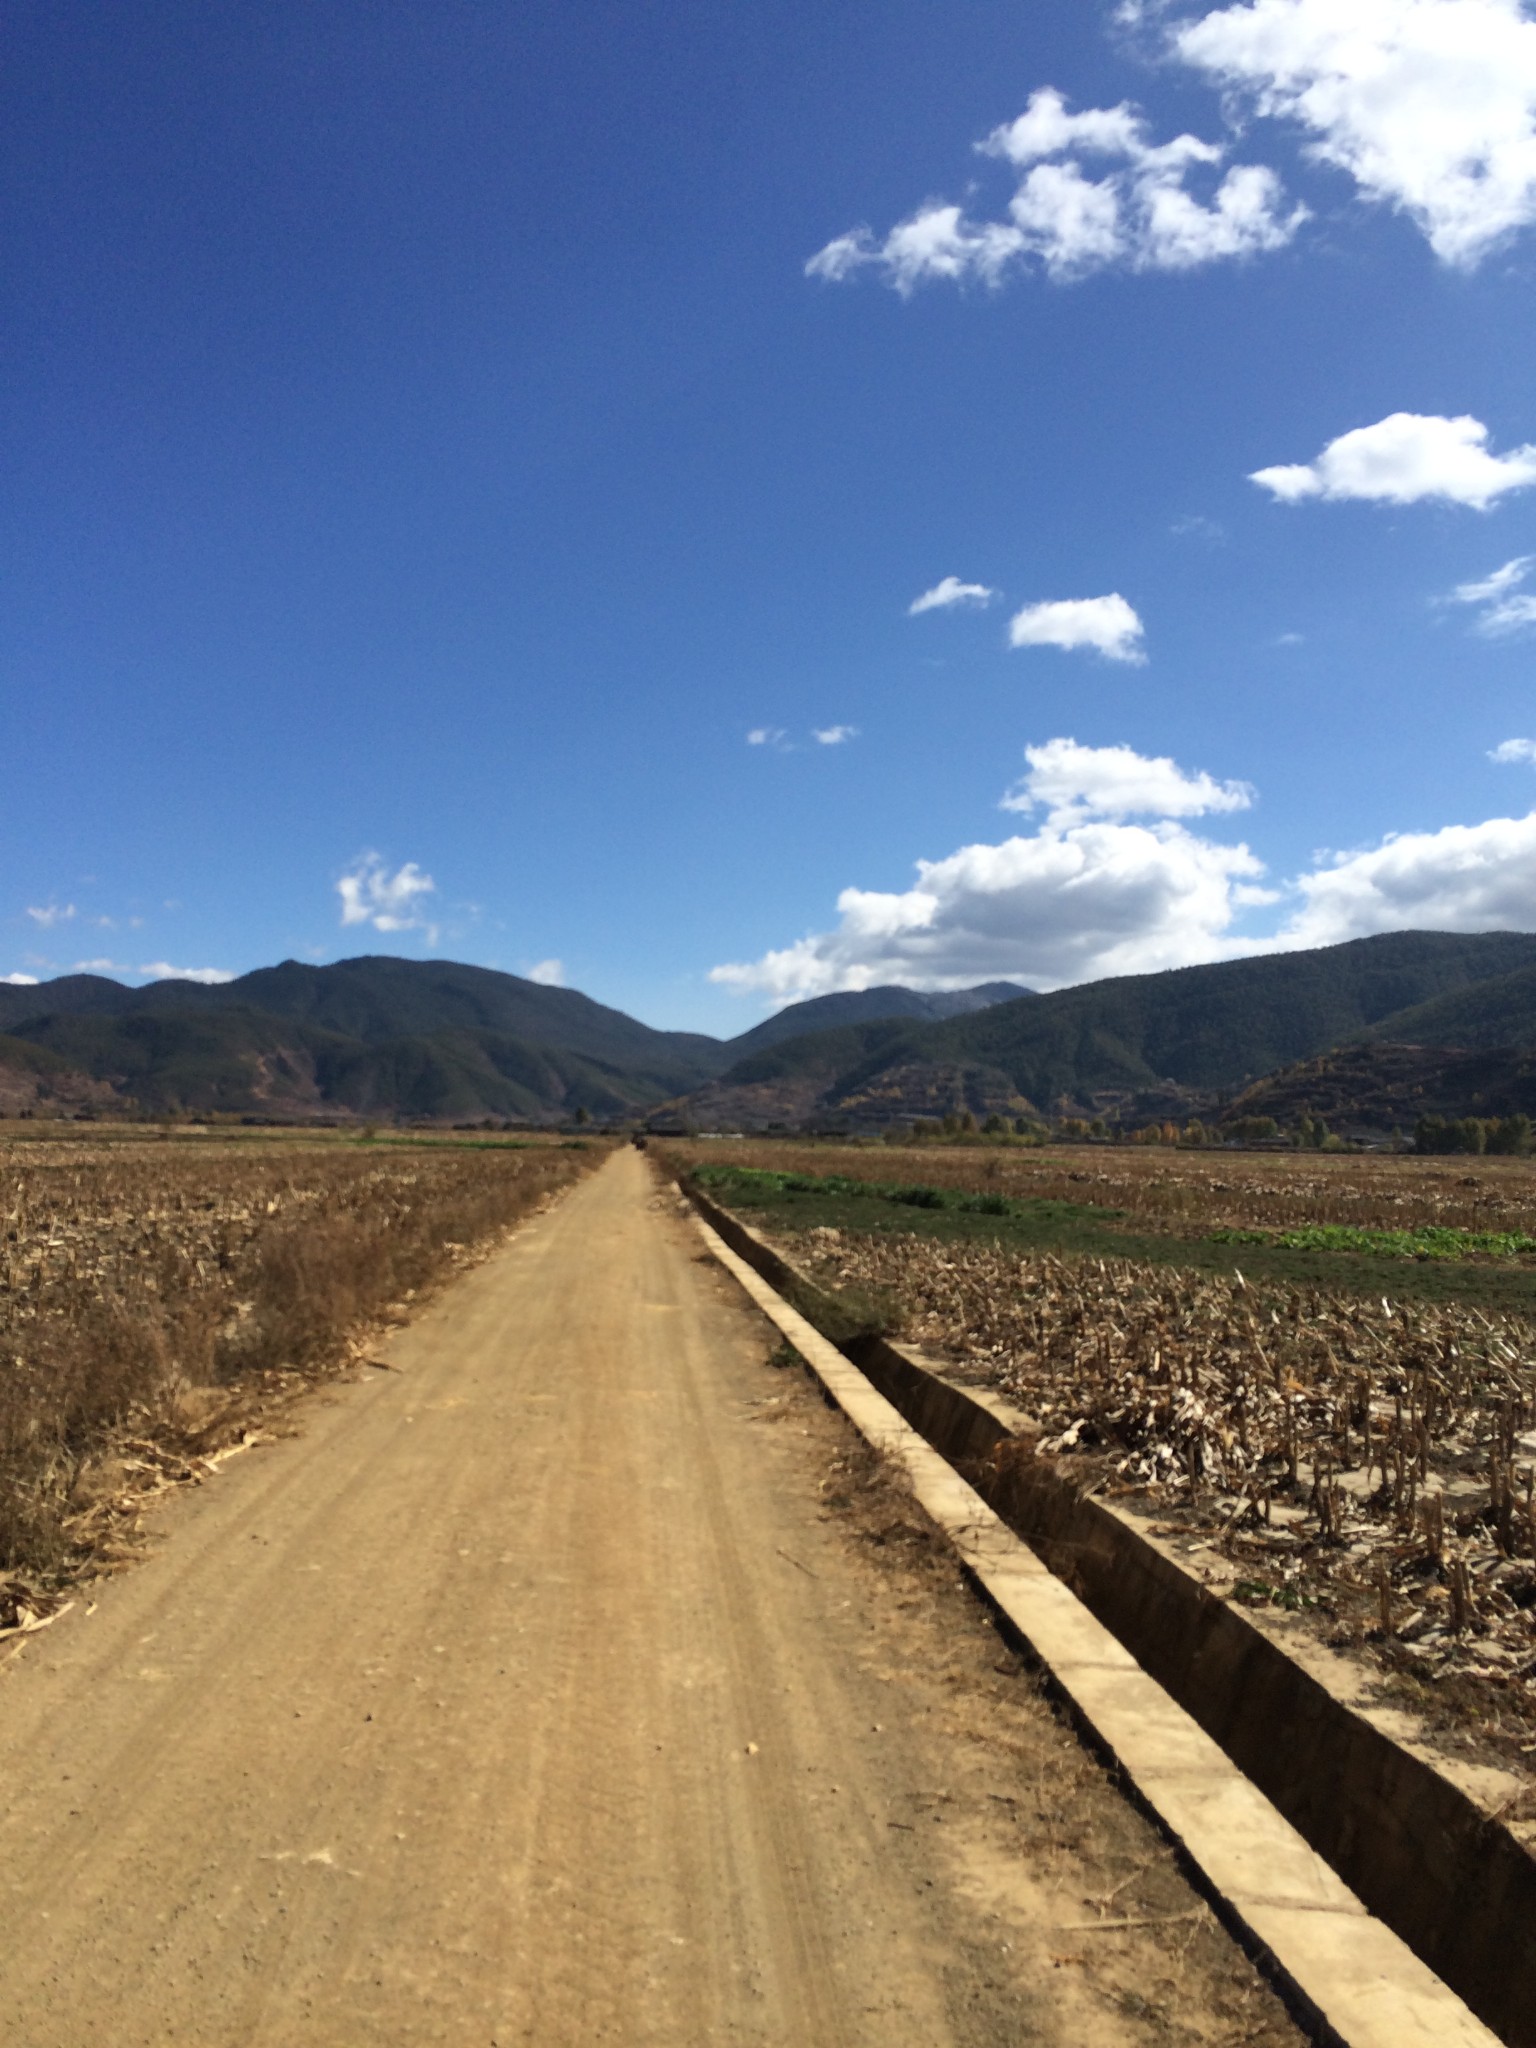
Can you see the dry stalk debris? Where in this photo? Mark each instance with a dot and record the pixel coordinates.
(1370, 1463)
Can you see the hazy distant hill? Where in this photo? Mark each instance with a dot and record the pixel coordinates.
(1192, 1028)
(869, 1006)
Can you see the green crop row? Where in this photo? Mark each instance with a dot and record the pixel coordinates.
(1430, 1241)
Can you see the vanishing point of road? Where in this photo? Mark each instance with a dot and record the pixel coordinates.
(572, 1682)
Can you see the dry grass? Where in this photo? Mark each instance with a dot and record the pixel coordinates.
(1182, 1191)
(1369, 1462)
(146, 1289)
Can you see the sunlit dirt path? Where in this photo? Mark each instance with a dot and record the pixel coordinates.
(534, 1694)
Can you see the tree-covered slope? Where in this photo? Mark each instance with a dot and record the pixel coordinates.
(1491, 1013)
(869, 1006)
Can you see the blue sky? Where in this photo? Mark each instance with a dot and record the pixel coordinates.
(438, 438)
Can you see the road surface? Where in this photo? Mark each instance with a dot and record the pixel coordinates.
(577, 1682)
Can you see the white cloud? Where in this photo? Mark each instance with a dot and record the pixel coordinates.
(834, 735)
(389, 902)
(162, 970)
(949, 591)
(766, 736)
(1106, 624)
(1463, 878)
(1070, 782)
(102, 966)
(548, 973)
(49, 914)
(1495, 586)
(18, 980)
(1505, 608)
(1404, 458)
(1140, 212)
(1429, 105)
(1086, 895)
(1068, 904)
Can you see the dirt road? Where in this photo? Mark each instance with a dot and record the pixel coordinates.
(581, 1681)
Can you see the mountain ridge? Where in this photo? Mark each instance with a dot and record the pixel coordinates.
(1132, 1040)
(378, 1036)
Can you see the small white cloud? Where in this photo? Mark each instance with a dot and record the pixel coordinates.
(1071, 782)
(18, 980)
(1290, 639)
(162, 970)
(1514, 615)
(1429, 105)
(1523, 751)
(389, 902)
(1195, 526)
(1107, 625)
(1403, 459)
(1139, 211)
(100, 967)
(49, 914)
(950, 591)
(834, 735)
(548, 973)
(1494, 586)
(1505, 608)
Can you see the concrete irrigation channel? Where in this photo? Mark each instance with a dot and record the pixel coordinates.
(1385, 1896)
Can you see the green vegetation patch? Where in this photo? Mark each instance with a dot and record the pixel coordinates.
(1429, 1241)
(1334, 1258)
(906, 1195)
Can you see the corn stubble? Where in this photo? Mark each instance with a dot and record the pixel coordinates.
(156, 1301)
(1372, 1463)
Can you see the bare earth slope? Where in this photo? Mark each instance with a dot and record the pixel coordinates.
(573, 1684)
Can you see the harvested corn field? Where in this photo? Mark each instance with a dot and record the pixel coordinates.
(156, 1296)
(1369, 1461)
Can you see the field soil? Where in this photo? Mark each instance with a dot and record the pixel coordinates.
(578, 1678)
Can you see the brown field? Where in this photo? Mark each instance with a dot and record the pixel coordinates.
(1177, 1190)
(156, 1293)
(1368, 1462)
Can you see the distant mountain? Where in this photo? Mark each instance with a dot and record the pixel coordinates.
(385, 1038)
(1134, 1039)
(371, 1037)
(869, 1006)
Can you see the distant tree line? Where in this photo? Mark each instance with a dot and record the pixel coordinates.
(1507, 1134)
(1310, 1133)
